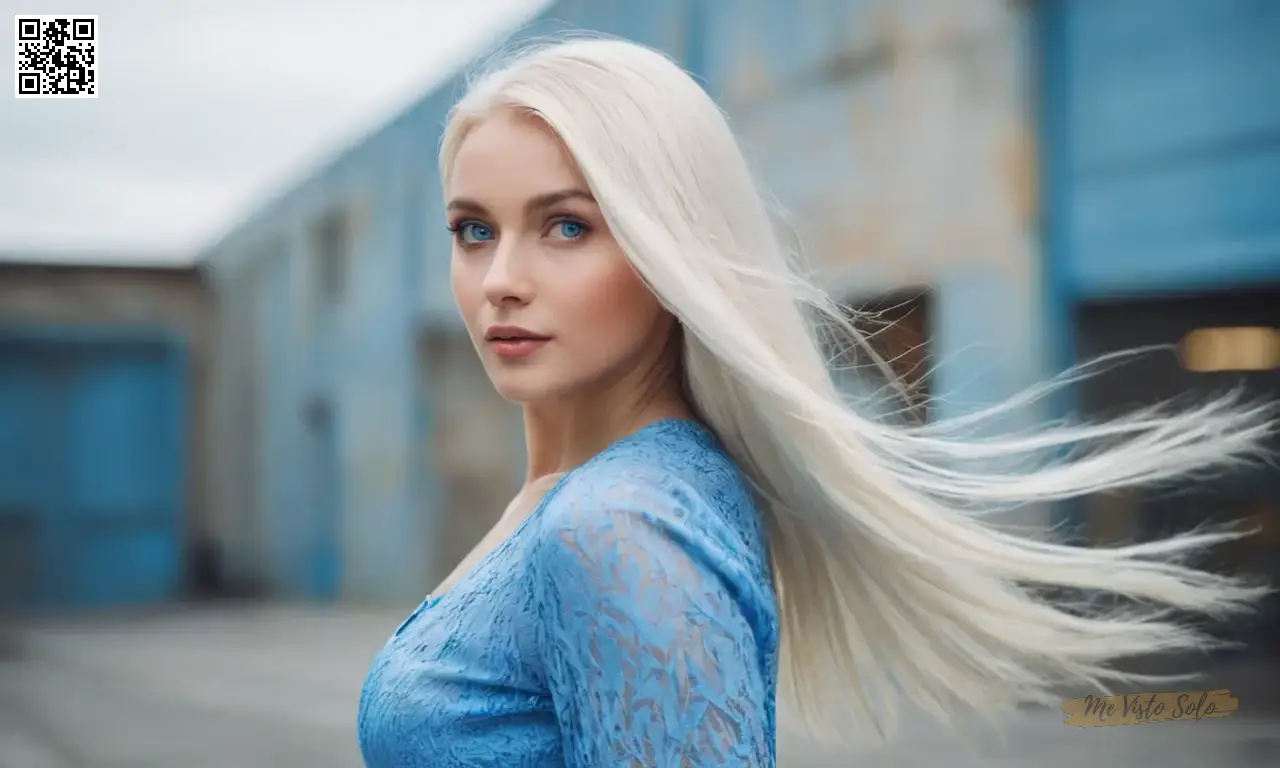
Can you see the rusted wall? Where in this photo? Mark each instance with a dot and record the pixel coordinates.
(898, 136)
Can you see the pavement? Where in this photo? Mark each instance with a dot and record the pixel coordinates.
(276, 686)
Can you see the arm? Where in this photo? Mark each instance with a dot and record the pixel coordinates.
(648, 656)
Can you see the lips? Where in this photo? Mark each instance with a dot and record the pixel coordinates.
(512, 333)
(513, 344)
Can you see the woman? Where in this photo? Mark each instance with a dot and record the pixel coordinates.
(697, 491)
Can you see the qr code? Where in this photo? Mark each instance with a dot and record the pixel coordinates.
(57, 57)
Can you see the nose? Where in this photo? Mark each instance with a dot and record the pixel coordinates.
(506, 281)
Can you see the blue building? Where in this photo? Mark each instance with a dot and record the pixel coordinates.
(1033, 182)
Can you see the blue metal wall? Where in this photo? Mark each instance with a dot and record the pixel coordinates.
(1164, 142)
(92, 466)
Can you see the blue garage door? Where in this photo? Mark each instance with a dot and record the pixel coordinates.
(1164, 126)
(91, 472)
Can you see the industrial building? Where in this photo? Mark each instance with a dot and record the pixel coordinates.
(1034, 182)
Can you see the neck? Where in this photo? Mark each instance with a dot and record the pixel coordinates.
(562, 435)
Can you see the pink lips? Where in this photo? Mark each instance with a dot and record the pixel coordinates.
(518, 348)
(511, 342)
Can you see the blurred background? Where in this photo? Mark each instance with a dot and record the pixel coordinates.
(242, 430)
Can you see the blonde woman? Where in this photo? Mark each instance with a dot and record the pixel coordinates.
(705, 519)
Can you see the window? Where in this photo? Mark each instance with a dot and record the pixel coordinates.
(331, 240)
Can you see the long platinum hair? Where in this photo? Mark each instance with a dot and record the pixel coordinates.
(892, 587)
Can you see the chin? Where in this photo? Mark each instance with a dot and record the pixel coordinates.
(532, 385)
(522, 387)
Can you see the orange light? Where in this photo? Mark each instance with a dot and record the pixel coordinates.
(1211, 350)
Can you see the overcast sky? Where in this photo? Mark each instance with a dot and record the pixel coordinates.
(207, 107)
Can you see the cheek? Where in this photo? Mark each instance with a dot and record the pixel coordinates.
(467, 291)
(616, 308)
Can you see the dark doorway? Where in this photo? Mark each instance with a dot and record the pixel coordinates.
(896, 328)
(1217, 342)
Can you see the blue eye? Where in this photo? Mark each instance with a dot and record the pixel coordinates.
(473, 232)
(571, 230)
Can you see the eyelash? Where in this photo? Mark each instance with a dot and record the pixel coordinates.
(456, 228)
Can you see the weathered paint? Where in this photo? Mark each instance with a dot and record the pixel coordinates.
(898, 136)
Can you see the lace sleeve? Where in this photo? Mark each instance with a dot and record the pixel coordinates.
(649, 657)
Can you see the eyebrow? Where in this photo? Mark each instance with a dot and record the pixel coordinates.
(537, 203)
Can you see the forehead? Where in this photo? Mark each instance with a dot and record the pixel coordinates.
(512, 156)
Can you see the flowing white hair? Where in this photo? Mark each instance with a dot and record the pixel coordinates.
(890, 586)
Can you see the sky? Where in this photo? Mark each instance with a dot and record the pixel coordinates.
(207, 108)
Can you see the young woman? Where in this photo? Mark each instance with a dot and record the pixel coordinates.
(704, 517)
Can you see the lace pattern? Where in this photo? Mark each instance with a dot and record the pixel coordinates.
(630, 622)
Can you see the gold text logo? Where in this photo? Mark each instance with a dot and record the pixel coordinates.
(1137, 708)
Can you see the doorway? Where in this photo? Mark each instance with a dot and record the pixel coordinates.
(1213, 343)
(896, 328)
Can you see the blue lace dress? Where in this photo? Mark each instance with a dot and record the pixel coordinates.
(629, 620)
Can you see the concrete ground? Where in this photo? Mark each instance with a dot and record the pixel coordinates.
(277, 687)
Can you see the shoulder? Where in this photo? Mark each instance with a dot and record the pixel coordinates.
(673, 473)
(669, 487)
